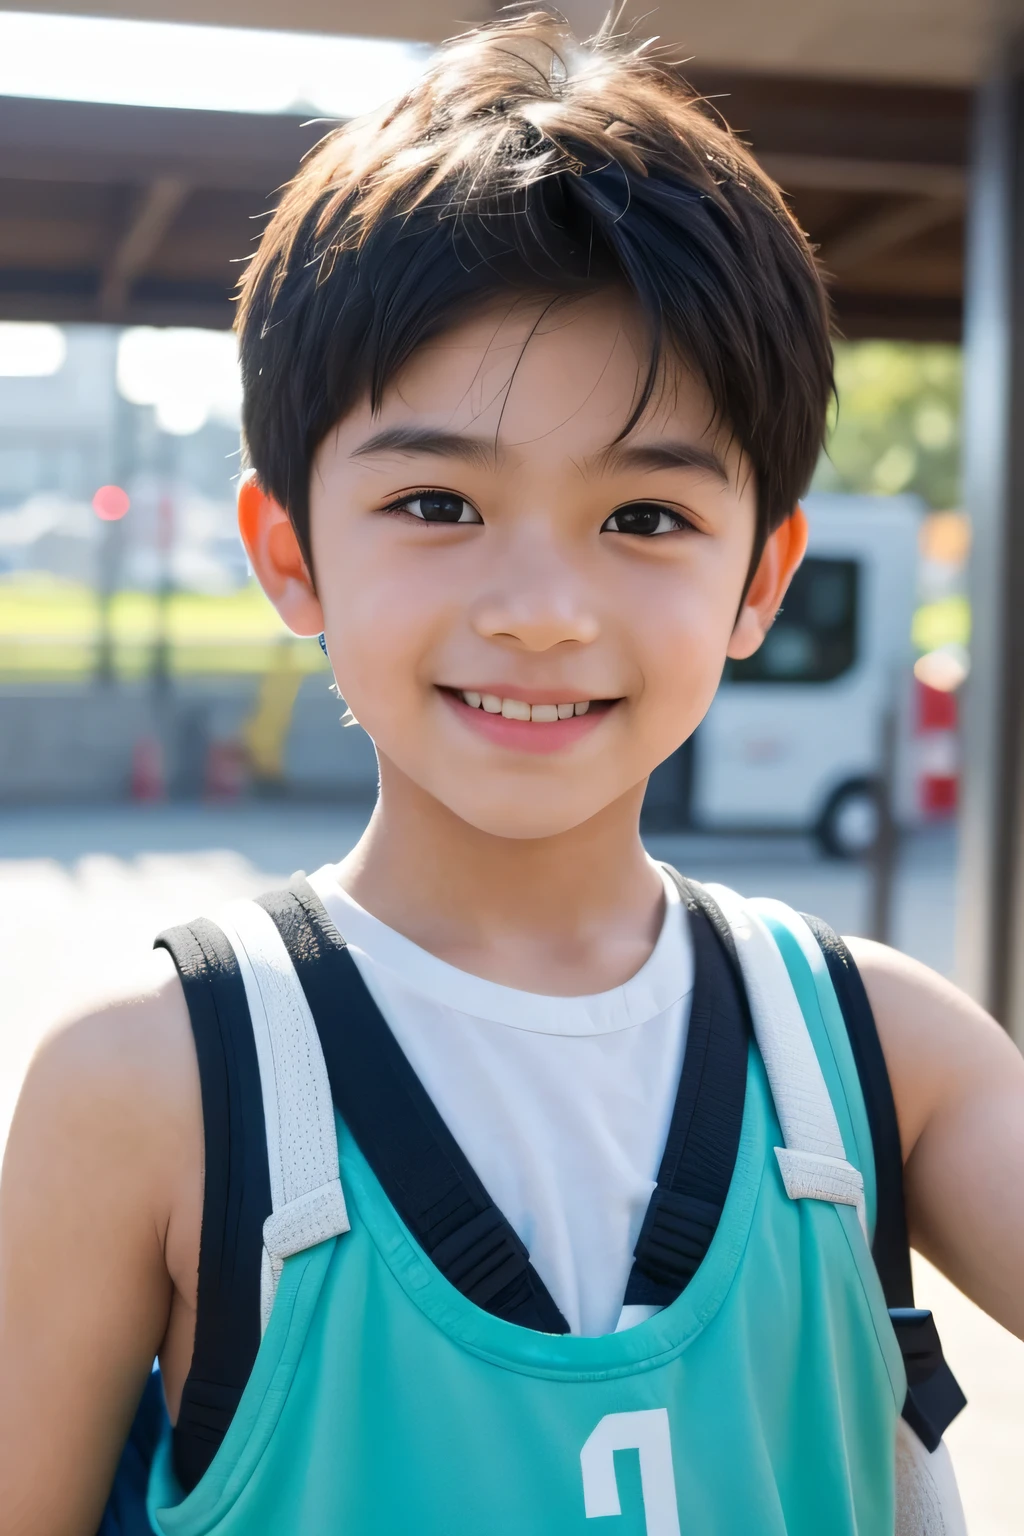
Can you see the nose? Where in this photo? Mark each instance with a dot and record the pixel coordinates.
(537, 603)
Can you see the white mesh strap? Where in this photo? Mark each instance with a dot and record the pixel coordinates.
(810, 1176)
(308, 1205)
(813, 1162)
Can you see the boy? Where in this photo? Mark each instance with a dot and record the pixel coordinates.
(536, 367)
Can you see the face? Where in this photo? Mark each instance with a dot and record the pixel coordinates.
(526, 615)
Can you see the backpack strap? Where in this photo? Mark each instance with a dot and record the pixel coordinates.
(704, 1134)
(236, 1194)
(890, 1244)
(934, 1396)
(414, 1156)
(813, 1160)
(307, 1203)
(270, 1170)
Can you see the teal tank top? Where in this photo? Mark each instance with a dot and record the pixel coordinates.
(763, 1400)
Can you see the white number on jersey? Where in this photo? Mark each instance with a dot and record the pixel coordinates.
(646, 1431)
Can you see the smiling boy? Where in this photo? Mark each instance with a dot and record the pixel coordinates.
(536, 368)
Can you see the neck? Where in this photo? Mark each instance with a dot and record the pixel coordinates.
(575, 912)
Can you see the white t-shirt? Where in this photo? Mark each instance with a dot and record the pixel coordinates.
(561, 1104)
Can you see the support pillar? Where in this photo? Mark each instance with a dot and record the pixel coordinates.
(990, 949)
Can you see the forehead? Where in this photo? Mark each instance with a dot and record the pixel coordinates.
(546, 380)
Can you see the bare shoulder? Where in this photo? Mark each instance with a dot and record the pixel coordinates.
(126, 1061)
(100, 1216)
(939, 1045)
(112, 1100)
(958, 1083)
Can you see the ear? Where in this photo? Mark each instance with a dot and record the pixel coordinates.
(274, 553)
(775, 570)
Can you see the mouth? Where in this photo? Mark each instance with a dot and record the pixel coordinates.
(530, 725)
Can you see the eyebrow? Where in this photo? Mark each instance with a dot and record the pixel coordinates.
(480, 451)
(665, 455)
(427, 440)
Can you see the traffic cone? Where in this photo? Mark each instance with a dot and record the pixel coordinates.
(148, 779)
(227, 764)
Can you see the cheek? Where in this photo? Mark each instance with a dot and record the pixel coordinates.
(682, 630)
(381, 620)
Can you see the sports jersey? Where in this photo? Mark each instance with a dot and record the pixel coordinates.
(414, 1374)
(561, 1104)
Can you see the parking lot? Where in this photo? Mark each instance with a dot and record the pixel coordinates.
(82, 892)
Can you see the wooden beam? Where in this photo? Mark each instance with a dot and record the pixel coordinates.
(176, 308)
(153, 217)
(866, 316)
(884, 228)
(827, 173)
(94, 142)
(69, 171)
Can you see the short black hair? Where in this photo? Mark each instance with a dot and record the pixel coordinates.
(524, 162)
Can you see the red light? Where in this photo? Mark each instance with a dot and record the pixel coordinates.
(939, 794)
(936, 711)
(110, 503)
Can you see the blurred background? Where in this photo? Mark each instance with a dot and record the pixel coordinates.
(165, 742)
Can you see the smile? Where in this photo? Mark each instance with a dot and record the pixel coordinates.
(519, 709)
(525, 725)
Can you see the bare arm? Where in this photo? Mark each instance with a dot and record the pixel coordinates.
(958, 1082)
(100, 1203)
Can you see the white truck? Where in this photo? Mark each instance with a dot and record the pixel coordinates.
(794, 738)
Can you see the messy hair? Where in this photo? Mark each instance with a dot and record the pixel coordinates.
(524, 162)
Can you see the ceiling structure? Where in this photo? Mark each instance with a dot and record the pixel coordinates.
(134, 215)
(928, 41)
(142, 215)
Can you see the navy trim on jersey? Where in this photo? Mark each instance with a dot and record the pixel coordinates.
(125, 1514)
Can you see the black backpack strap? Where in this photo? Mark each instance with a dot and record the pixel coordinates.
(236, 1194)
(703, 1139)
(934, 1397)
(415, 1157)
(891, 1246)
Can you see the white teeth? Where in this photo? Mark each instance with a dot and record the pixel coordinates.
(518, 709)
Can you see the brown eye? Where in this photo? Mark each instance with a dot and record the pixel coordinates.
(645, 518)
(441, 507)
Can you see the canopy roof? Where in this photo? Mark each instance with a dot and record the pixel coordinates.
(141, 214)
(929, 41)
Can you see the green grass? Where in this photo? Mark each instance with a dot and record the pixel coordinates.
(50, 630)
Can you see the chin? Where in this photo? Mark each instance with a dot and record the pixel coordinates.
(520, 820)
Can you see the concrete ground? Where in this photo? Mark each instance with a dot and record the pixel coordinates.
(83, 892)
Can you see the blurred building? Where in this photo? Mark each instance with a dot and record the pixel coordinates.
(888, 122)
(66, 433)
